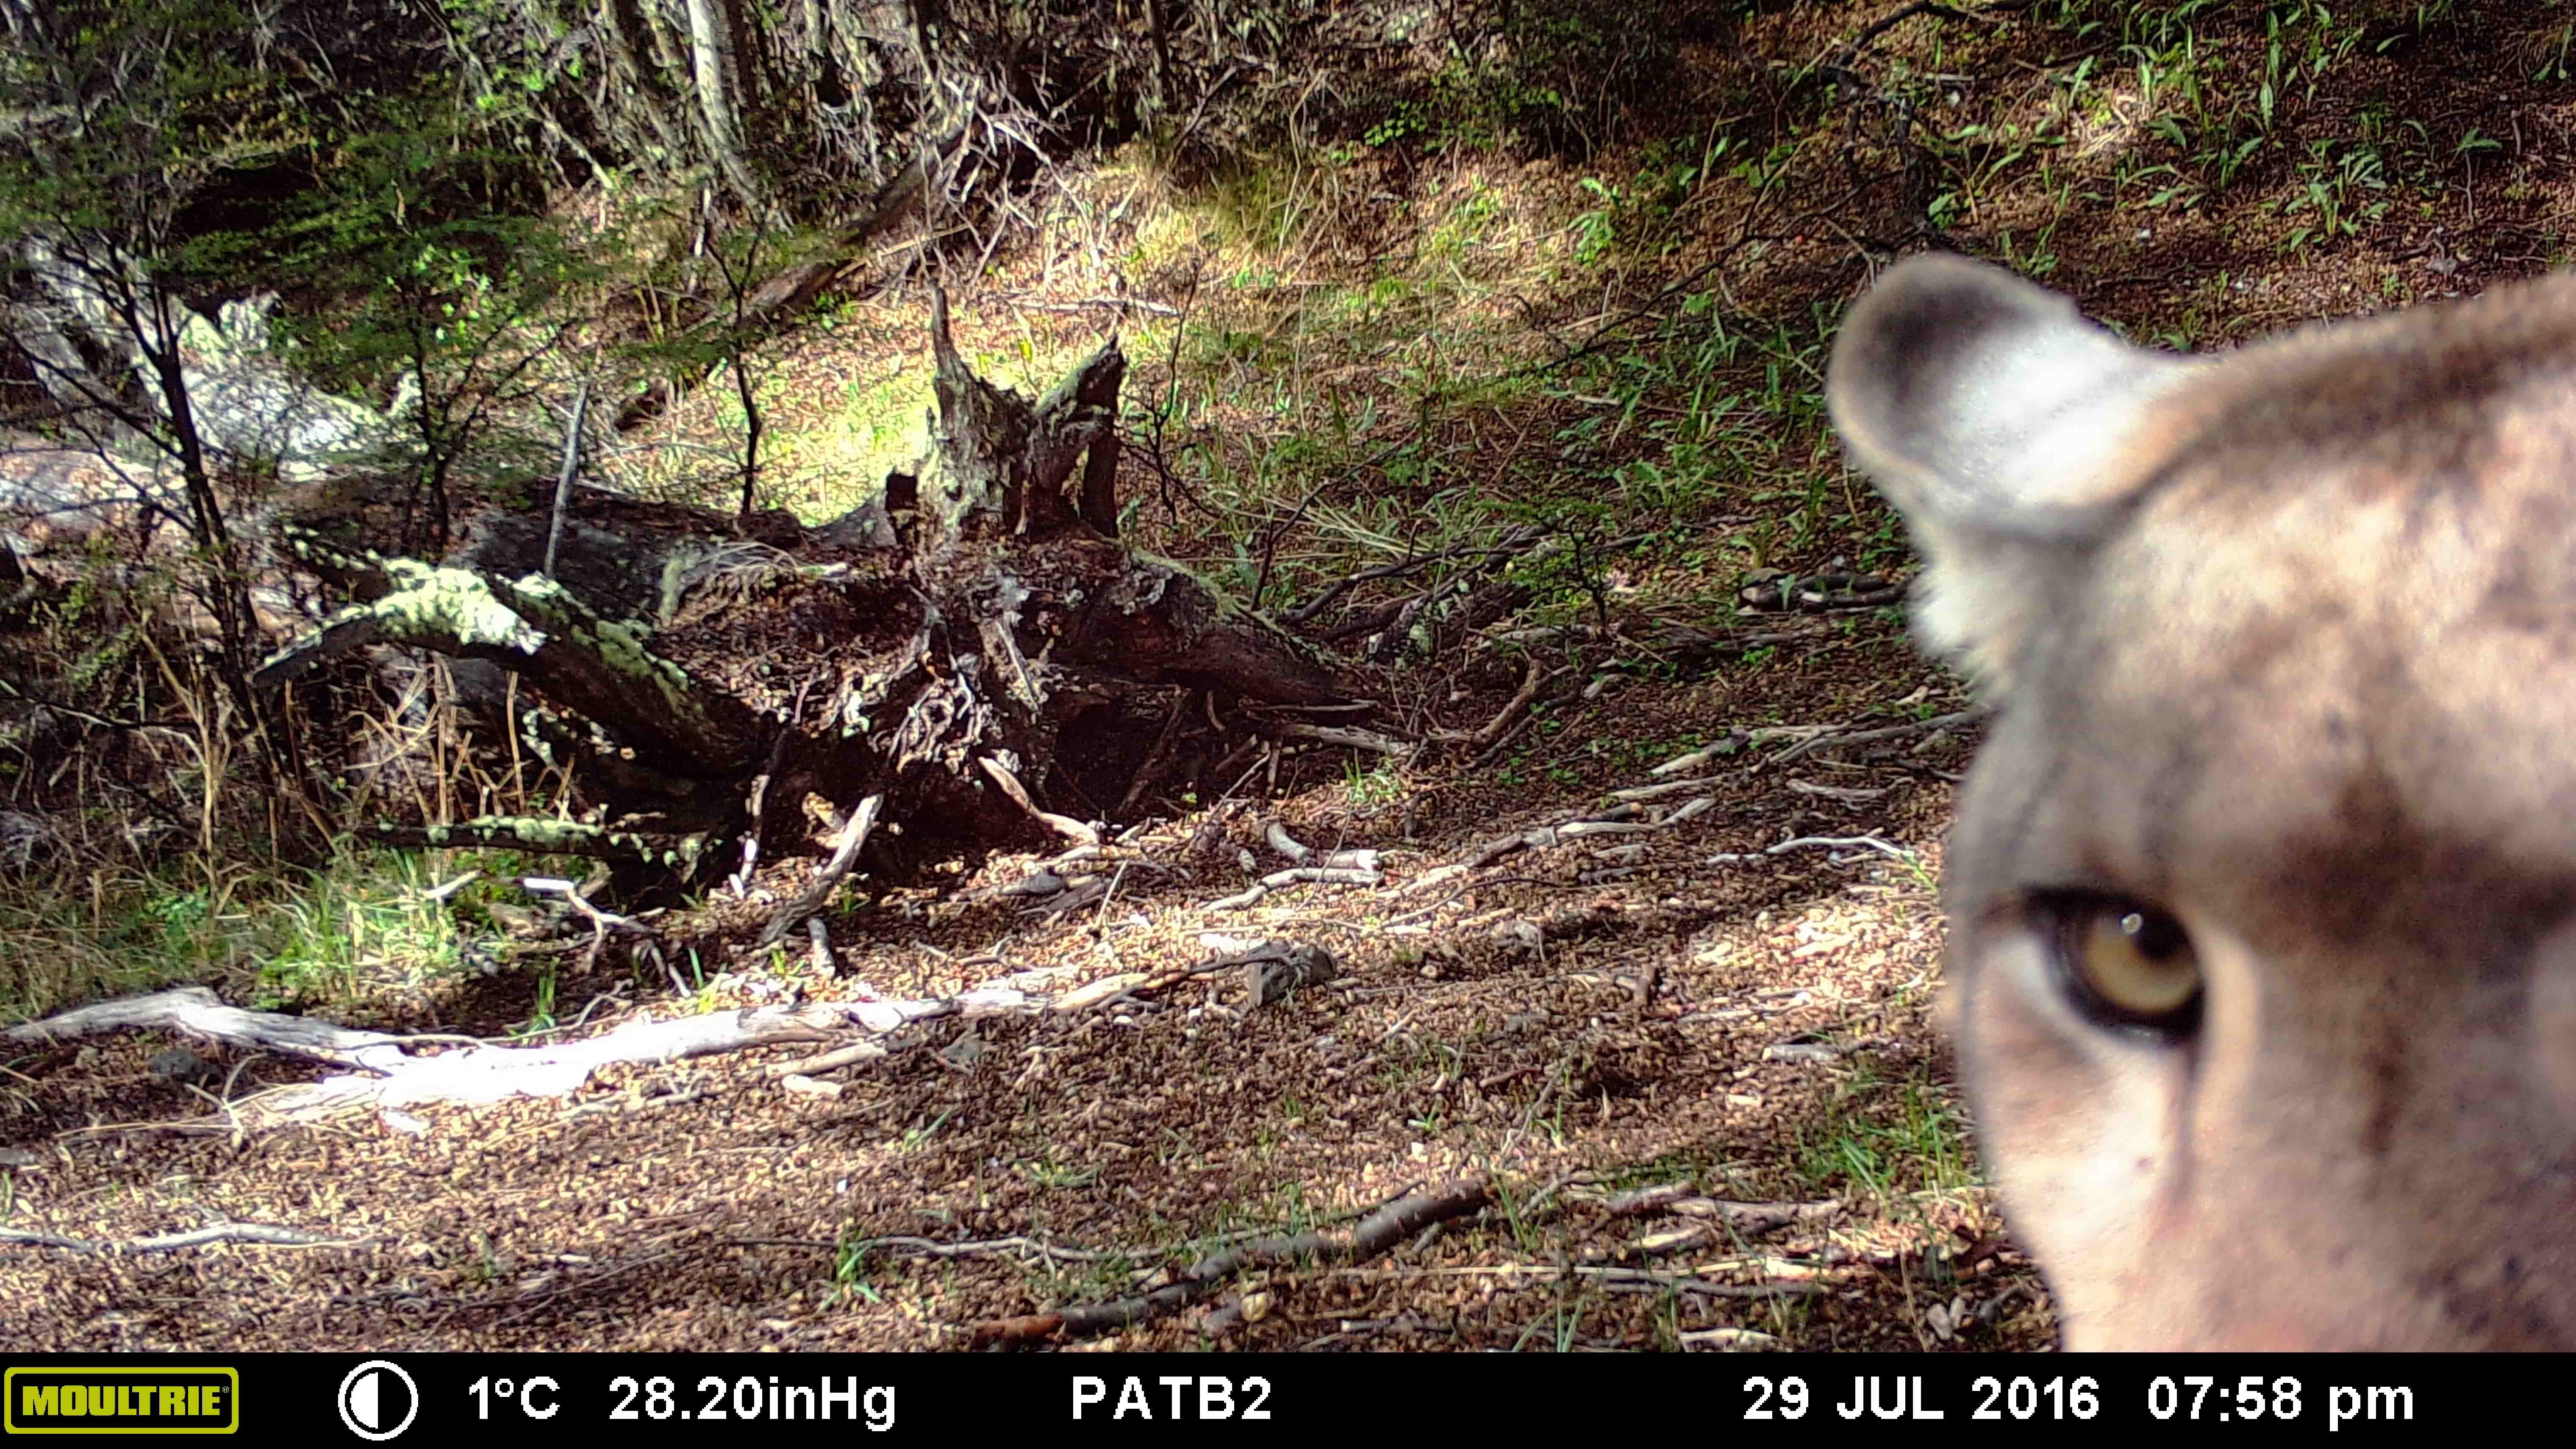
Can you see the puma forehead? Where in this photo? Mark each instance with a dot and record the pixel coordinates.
(2263, 889)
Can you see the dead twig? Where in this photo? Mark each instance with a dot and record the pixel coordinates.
(1816, 842)
(1295, 875)
(1534, 676)
(1848, 794)
(195, 1237)
(1276, 836)
(1064, 825)
(1680, 1199)
(845, 854)
(1369, 740)
(196, 1011)
(1373, 1235)
(814, 1066)
(563, 479)
(1835, 738)
(1670, 787)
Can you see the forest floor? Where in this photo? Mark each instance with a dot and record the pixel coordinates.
(1351, 356)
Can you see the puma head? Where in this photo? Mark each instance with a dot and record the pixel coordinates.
(2262, 893)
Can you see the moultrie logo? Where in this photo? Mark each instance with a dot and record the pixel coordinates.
(122, 1399)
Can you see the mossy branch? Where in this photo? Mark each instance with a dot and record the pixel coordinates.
(598, 667)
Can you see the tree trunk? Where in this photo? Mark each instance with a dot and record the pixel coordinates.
(713, 71)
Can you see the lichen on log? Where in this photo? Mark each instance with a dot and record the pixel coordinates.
(677, 853)
(599, 667)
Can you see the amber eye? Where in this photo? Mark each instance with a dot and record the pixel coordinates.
(2124, 963)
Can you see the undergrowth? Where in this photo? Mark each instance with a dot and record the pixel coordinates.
(364, 922)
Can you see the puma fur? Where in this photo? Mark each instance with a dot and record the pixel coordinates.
(2262, 894)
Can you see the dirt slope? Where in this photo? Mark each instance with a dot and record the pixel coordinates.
(1754, 1030)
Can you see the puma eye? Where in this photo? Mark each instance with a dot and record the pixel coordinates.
(2125, 963)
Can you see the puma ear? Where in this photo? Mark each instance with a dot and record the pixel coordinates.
(1997, 421)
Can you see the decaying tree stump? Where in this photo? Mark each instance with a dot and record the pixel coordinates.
(976, 645)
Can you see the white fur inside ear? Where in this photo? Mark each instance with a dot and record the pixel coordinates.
(1996, 419)
(1979, 599)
